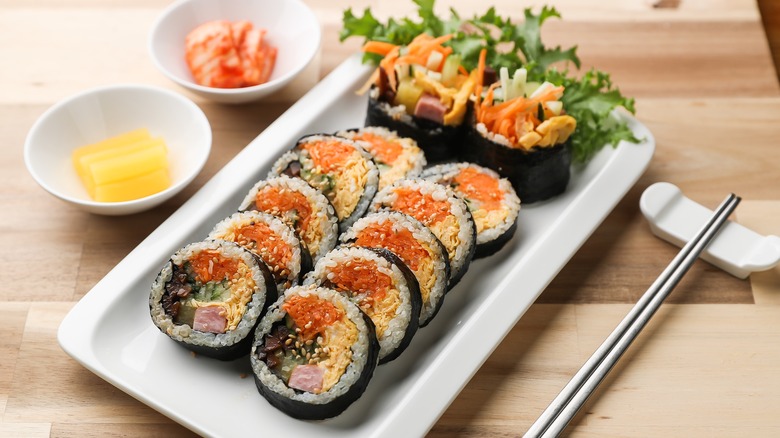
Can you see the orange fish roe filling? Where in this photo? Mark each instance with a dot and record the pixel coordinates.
(329, 155)
(400, 242)
(479, 187)
(361, 277)
(386, 151)
(420, 206)
(210, 265)
(311, 314)
(278, 201)
(267, 244)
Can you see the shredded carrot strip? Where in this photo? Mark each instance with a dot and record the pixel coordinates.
(378, 47)
(417, 52)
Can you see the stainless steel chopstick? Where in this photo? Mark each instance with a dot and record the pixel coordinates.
(571, 398)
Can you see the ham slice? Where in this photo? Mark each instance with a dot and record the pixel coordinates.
(209, 319)
(307, 378)
(430, 107)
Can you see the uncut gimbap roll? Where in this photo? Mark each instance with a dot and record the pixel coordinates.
(210, 296)
(396, 157)
(314, 353)
(300, 206)
(493, 203)
(382, 286)
(521, 130)
(437, 207)
(272, 240)
(338, 167)
(421, 91)
(415, 244)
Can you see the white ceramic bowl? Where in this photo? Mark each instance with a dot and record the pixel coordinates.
(100, 113)
(292, 28)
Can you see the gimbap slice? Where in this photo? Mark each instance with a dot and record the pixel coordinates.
(521, 131)
(300, 206)
(314, 353)
(339, 168)
(397, 157)
(272, 240)
(421, 91)
(415, 245)
(210, 296)
(437, 207)
(493, 203)
(381, 285)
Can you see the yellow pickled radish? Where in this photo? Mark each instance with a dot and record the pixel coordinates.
(118, 150)
(125, 167)
(128, 165)
(134, 188)
(110, 143)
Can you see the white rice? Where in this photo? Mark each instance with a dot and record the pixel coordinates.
(390, 338)
(427, 239)
(185, 333)
(510, 202)
(460, 255)
(226, 230)
(360, 354)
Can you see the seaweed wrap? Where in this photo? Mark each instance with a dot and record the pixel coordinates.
(210, 296)
(493, 203)
(415, 245)
(440, 209)
(314, 353)
(421, 91)
(272, 240)
(338, 167)
(396, 157)
(381, 285)
(521, 131)
(300, 206)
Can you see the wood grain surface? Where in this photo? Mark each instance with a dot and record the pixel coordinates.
(706, 86)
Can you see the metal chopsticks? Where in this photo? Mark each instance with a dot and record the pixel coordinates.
(571, 398)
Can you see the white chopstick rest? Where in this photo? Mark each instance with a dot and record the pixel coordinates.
(736, 249)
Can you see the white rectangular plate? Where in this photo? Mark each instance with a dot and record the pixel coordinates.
(110, 332)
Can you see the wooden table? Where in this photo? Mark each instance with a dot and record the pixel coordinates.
(705, 85)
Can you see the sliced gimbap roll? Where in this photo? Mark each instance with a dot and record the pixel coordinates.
(493, 203)
(397, 157)
(210, 296)
(521, 131)
(300, 206)
(338, 167)
(314, 353)
(415, 245)
(382, 286)
(421, 91)
(272, 240)
(437, 207)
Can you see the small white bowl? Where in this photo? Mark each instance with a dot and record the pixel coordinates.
(292, 28)
(104, 112)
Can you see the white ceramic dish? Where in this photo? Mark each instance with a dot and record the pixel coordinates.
(736, 249)
(292, 28)
(110, 332)
(100, 113)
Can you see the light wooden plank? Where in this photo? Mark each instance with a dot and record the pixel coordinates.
(25, 430)
(119, 430)
(12, 328)
(47, 384)
(679, 361)
(762, 217)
